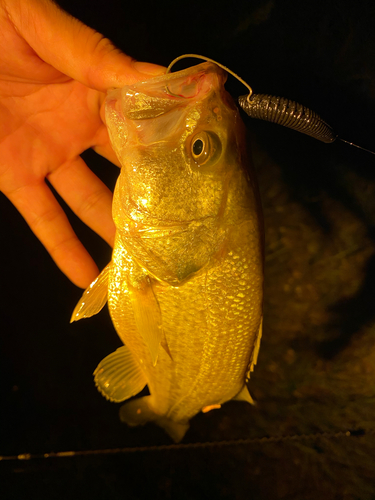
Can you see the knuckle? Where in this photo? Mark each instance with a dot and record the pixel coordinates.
(91, 202)
(45, 218)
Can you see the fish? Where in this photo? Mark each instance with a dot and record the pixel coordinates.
(185, 283)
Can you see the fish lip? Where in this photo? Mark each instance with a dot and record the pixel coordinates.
(207, 77)
(206, 68)
(113, 102)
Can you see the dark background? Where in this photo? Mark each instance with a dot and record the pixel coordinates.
(311, 434)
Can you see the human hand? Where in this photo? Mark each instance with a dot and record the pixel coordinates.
(54, 72)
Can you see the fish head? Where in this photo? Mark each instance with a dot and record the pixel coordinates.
(179, 138)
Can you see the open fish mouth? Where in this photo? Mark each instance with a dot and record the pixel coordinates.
(154, 97)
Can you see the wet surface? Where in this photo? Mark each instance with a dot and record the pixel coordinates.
(312, 431)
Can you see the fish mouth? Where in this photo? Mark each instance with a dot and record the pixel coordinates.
(194, 81)
(186, 83)
(157, 96)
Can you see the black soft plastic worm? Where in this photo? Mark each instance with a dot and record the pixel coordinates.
(288, 113)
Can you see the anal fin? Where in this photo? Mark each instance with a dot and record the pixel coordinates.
(94, 297)
(118, 376)
(208, 408)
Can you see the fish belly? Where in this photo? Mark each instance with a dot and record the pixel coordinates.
(210, 325)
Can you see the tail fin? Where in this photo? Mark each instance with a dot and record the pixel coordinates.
(139, 412)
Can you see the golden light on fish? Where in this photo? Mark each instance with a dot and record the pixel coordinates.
(184, 286)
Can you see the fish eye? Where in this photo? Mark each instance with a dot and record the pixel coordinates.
(198, 147)
(205, 147)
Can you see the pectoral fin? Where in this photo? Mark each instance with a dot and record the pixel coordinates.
(93, 298)
(118, 376)
(147, 316)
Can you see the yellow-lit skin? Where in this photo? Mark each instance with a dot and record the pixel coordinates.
(188, 249)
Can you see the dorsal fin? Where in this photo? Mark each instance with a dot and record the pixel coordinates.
(254, 354)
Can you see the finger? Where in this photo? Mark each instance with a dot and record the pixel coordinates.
(102, 142)
(74, 48)
(86, 195)
(49, 223)
(107, 153)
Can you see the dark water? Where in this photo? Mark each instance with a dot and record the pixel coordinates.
(311, 434)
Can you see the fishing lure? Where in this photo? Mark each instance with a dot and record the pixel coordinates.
(280, 110)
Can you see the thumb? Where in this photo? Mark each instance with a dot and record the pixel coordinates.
(75, 49)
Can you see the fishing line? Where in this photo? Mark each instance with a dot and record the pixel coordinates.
(279, 110)
(188, 446)
(196, 56)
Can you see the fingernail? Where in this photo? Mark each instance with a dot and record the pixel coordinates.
(149, 68)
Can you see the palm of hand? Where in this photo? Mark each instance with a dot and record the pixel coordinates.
(46, 128)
